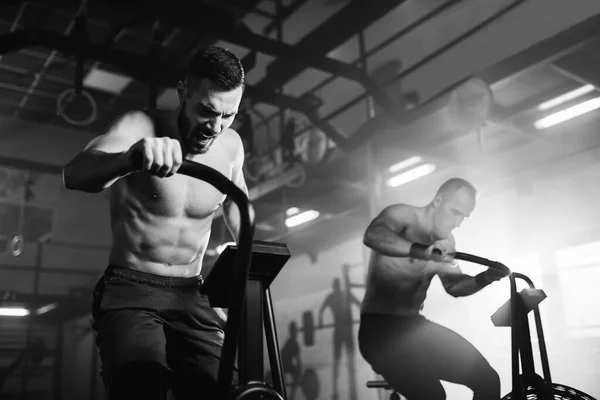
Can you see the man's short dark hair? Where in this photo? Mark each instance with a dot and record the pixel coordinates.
(218, 65)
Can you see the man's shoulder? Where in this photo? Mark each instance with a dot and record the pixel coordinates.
(232, 137)
(233, 143)
(402, 209)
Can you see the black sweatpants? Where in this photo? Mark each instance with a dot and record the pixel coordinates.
(156, 333)
(413, 354)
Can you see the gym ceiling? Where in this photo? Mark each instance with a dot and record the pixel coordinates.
(325, 66)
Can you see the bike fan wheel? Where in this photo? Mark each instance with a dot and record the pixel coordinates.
(560, 392)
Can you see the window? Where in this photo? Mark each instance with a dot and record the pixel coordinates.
(26, 206)
(579, 276)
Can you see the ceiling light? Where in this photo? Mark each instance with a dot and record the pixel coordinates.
(46, 308)
(106, 81)
(291, 211)
(405, 164)
(573, 94)
(301, 218)
(411, 175)
(568, 113)
(13, 312)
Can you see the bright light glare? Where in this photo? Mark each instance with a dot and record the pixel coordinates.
(291, 211)
(301, 218)
(13, 312)
(411, 175)
(568, 113)
(405, 164)
(46, 308)
(573, 94)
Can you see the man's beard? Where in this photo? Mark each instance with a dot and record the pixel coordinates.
(194, 140)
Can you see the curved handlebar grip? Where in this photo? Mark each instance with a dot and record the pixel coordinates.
(477, 260)
(482, 261)
(242, 267)
(208, 174)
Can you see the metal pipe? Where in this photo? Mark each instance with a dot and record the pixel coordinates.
(436, 11)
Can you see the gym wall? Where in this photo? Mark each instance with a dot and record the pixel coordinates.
(65, 232)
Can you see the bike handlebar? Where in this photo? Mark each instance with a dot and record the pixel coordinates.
(478, 260)
(241, 270)
(482, 261)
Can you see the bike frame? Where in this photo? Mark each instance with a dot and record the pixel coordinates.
(521, 348)
(241, 270)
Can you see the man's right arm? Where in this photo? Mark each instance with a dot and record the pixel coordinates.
(105, 159)
(385, 233)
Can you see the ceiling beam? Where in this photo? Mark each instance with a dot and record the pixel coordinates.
(161, 74)
(580, 67)
(545, 51)
(218, 22)
(285, 13)
(349, 21)
(131, 64)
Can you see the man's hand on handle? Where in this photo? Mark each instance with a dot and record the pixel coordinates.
(494, 275)
(441, 251)
(160, 156)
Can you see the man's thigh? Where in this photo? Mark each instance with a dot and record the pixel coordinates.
(128, 336)
(455, 358)
(194, 357)
(408, 368)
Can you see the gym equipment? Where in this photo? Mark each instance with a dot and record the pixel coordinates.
(268, 259)
(386, 386)
(244, 291)
(308, 328)
(309, 383)
(513, 313)
(77, 93)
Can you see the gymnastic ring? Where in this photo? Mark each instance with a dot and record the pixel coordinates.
(61, 112)
(16, 245)
(255, 390)
(298, 182)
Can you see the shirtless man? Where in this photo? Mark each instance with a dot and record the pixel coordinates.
(155, 330)
(412, 353)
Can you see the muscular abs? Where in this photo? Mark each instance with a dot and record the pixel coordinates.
(162, 225)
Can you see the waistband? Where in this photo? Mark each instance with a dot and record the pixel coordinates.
(151, 279)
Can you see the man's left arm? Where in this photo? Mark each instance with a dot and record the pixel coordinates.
(457, 283)
(231, 214)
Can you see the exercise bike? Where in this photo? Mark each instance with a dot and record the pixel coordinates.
(244, 319)
(528, 385)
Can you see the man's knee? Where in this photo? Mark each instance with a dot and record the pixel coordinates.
(141, 379)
